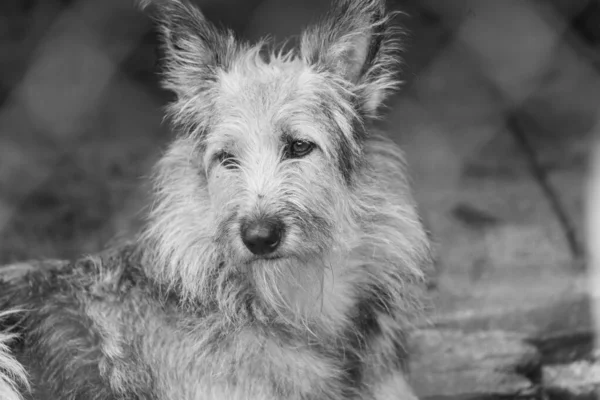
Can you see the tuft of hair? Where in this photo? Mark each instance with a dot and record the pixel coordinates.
(12, 373)
(142, 4)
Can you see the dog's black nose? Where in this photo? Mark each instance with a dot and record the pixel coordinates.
(262, 236)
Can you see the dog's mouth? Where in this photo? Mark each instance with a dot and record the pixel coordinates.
(266, 257)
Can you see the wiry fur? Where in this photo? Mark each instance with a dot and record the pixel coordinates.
(12, 373)
(188, 312)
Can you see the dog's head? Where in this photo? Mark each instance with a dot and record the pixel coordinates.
(256, 190)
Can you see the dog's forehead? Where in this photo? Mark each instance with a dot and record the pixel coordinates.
(261, 86)
(264, 100)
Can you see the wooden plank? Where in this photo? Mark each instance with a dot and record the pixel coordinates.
(576, 381)
(451, 364)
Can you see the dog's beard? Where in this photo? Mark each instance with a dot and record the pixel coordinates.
(292, 287)
(286, 290)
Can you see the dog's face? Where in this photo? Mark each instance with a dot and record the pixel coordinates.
(274, 176)
(273, 163)
(256, 192)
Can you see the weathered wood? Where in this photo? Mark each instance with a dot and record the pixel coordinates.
(452, 364)
(576, 381)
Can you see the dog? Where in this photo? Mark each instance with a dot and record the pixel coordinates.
(283, 256)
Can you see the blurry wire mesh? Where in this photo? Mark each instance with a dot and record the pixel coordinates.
(541, 61)
(72, 126)
(80, 125)
(544, 70)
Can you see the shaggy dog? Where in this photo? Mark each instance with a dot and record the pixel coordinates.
(283, 256)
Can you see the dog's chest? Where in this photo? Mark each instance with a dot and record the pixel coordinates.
(244, 364)
(191, 359)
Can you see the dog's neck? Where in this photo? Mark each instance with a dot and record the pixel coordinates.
(238, 300)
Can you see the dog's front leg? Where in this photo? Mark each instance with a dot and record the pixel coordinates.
(394, 387)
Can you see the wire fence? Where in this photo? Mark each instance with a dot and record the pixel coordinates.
(80, 114)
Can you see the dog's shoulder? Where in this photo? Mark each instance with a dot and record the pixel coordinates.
(69, 318)
(112, 272)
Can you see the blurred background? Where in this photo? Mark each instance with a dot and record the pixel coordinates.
(497, 116)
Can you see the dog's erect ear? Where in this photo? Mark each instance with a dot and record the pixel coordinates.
(356, 40)
(194, 47)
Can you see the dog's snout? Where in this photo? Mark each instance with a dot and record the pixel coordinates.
(262, 236)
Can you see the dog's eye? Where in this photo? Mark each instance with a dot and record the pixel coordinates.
(300, 148)
(227, 160)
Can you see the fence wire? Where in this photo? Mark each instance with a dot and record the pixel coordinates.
(80, 119)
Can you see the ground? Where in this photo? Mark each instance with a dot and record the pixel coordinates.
(496, 117)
